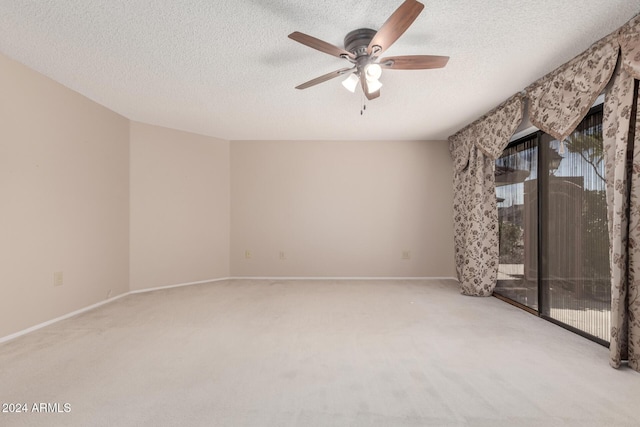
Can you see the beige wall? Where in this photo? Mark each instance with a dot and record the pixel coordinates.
(117, 205)
(179, 207)
(341, 208)
(64, 191)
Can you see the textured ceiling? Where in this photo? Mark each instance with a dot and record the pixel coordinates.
(227, 68)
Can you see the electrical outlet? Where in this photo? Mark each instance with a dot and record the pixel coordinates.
(247, 254)
(58, 278)
(283, 256)
(406, 255)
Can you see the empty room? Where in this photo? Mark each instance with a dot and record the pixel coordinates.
(342, 213)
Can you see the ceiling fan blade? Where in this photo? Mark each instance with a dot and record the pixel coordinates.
(365, 88)
(395, 26)
(414, 62)
(320, 45)
(324, 78)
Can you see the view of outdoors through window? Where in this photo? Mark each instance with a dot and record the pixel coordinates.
(517, 192)
(554, 247)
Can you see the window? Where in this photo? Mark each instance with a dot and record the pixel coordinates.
(554, 247)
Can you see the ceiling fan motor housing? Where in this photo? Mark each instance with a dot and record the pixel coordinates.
(358, 40)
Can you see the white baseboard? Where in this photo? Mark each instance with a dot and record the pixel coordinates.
(63, 317)
(335, 278)
(96, 305)
(179, 285)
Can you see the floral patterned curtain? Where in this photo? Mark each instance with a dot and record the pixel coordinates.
(629, 39)
(474, 150)
(559, 101)
(557, 104)
(621, 139)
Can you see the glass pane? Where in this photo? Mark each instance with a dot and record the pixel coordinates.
(516, 192)
(576, 285)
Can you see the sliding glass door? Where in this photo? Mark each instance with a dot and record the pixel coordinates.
(554, 247)
(576, 285)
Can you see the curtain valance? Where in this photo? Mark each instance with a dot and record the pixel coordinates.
(561, 99)
(490, 134)
(629, 39)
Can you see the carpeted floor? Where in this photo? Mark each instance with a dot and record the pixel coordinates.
(312, 353)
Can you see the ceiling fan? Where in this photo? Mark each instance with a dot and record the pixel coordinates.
(362, 48)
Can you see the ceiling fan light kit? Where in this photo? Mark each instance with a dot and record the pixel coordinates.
(373, 72)
(363, 47)
(351, 82)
